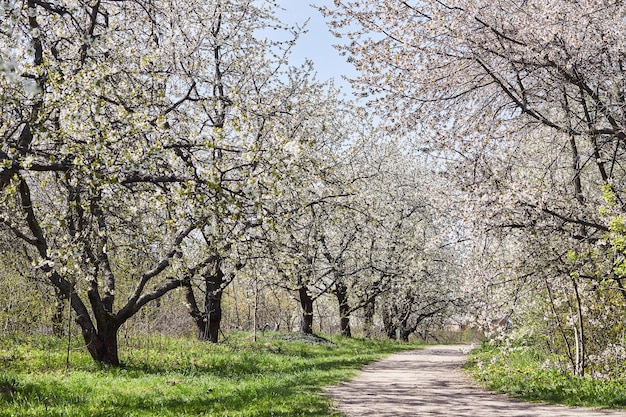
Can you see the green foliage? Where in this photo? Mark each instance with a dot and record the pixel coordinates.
(609, 196)
(617, 230)
(526, 373)
(276, 376)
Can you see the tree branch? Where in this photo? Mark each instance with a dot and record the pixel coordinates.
(129, 309)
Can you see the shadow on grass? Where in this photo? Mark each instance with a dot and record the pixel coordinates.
(270, 378)
(273, 356)
(268, 396)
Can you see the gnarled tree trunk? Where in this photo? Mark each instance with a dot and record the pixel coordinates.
(102, 345)
(208, 319)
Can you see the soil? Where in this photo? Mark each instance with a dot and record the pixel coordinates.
(431, 382)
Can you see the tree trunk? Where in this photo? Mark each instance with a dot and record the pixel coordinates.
(102, 345)
(404, 334)
(581, 351)
(213, 306)
(391, 328)
(368, 325)
(341, 292)
(208, 320)
(306, 303)
(100, 341)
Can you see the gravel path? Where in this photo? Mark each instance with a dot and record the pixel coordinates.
(431, 382)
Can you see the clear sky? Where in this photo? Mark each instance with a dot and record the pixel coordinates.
(317, 44)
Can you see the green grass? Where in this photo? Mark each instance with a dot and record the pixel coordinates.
(521, 372)
(276, 376)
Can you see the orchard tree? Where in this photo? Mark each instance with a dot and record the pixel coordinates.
(339, 220)
(83, 155)
(114, 117)
(493, 85)
(526, 102)
(310, 185)
(414, 274)
(293, 255)
(350, 235)
(339, 240)
(288, 120)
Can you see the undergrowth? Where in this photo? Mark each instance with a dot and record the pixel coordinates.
(160, 376)
(526, 374)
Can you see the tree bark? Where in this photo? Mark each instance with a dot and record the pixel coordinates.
(581, 360)
(306, 303)
(404, 334)
(368, 325)
(101, 341)
(341, 292)
(208, 320)
(391, 328)
(212, 306)
(102, 344)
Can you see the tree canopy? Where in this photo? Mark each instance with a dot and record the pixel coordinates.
(525, 102)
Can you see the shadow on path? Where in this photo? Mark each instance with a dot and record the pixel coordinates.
(431, 382)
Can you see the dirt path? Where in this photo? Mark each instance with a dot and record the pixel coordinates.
(431, 382)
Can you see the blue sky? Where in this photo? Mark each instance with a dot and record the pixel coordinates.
(317, 44)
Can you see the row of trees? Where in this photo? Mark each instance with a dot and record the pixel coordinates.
(525, 101)
(150, 148)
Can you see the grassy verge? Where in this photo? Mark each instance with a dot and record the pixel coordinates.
(276, 376)
(521, 372)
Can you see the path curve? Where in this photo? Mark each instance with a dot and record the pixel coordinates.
(431, 382)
